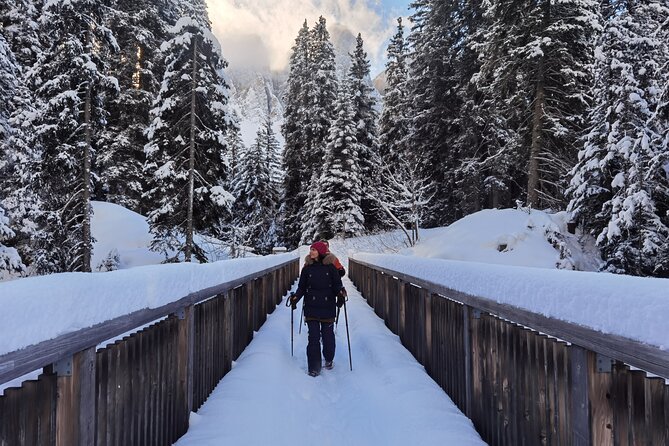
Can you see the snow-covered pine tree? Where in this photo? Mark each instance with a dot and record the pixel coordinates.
(256, 198)
(336, 203)
(235, 152)
(435, 40)
(322, 87)
(19, 155)
(620, 187)
(19, 19)
(365, 117)
(534, 78)
(140, 28)
(70, 85)
(186, 149)
(395, 123)
(272, 150)
(10, 260)
(296, 124)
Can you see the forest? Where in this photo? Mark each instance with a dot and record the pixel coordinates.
(540, 104)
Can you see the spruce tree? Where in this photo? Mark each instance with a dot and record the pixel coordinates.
(70, 85)
(364, 119)
(322, 88)
(295, 131)
(394, 124)
(10, 260)
(534, 77)
(256, 198)
(19, 19)
(20, 156)
(337, 193)
(140, 28)
(186, 149)
(620, 187)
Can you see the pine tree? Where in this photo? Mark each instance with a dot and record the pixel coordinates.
(364, 119)
(71, 86)
(256, 198)
(620, 186)
(394, 123)
(295, 130)
(19, 19)
(140, 28)
(186, 148)
(433, 87)
(534, 77)
(337, 196)
(322, 89)
(10, 260)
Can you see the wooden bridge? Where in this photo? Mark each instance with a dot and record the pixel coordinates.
(522, 378)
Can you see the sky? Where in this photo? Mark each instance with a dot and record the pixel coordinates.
(260, 33)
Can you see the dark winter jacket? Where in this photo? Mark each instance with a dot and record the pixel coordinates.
(319, 285)
(327, 260)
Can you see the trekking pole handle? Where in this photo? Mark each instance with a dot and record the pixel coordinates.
(290, 297)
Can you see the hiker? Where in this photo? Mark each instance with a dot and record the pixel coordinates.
(321, 287)
(328, 259)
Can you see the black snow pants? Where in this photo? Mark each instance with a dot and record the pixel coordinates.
(318, 330)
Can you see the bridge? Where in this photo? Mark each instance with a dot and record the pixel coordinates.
(214, 367)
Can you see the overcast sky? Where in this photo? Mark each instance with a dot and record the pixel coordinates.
(261, 32)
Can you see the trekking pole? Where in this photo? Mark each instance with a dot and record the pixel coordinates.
(299, 331)
(288, 304)
(348, 338)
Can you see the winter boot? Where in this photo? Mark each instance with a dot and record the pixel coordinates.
(313, 373)
(329, 365)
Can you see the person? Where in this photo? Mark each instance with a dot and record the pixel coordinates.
(328, 259)
(321, 287)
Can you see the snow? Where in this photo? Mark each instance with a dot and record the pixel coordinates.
(387, 398)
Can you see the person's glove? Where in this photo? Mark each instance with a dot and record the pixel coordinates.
(293, 301)
(341, 298)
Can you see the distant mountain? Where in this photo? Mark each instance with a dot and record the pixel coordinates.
(254, 91)
(380, 83)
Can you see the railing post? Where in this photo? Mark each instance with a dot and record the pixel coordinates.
(75, 405)
(578, 383)
(467, 346)
(185, 350)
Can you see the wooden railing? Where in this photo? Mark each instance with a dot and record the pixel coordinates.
(141, 389)
(523, 378)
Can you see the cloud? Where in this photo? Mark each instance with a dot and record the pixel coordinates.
(261, 33)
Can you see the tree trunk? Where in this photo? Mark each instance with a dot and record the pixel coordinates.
(188, 250)
(86, 245)
(535, 149)
(533, 180)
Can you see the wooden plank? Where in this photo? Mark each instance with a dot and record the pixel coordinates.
(656, 407)
(562, 377)
(579, 396)
(649, 358)
(601, 408)
(542, 392)
(551, 392)
(29, 411)
(640, 426)
(184, 364)
(20, 362)
(75, 412)
(621, 405)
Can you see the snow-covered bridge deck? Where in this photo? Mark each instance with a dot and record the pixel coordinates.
(268, 398)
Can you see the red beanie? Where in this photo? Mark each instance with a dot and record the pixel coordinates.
(320, 247)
